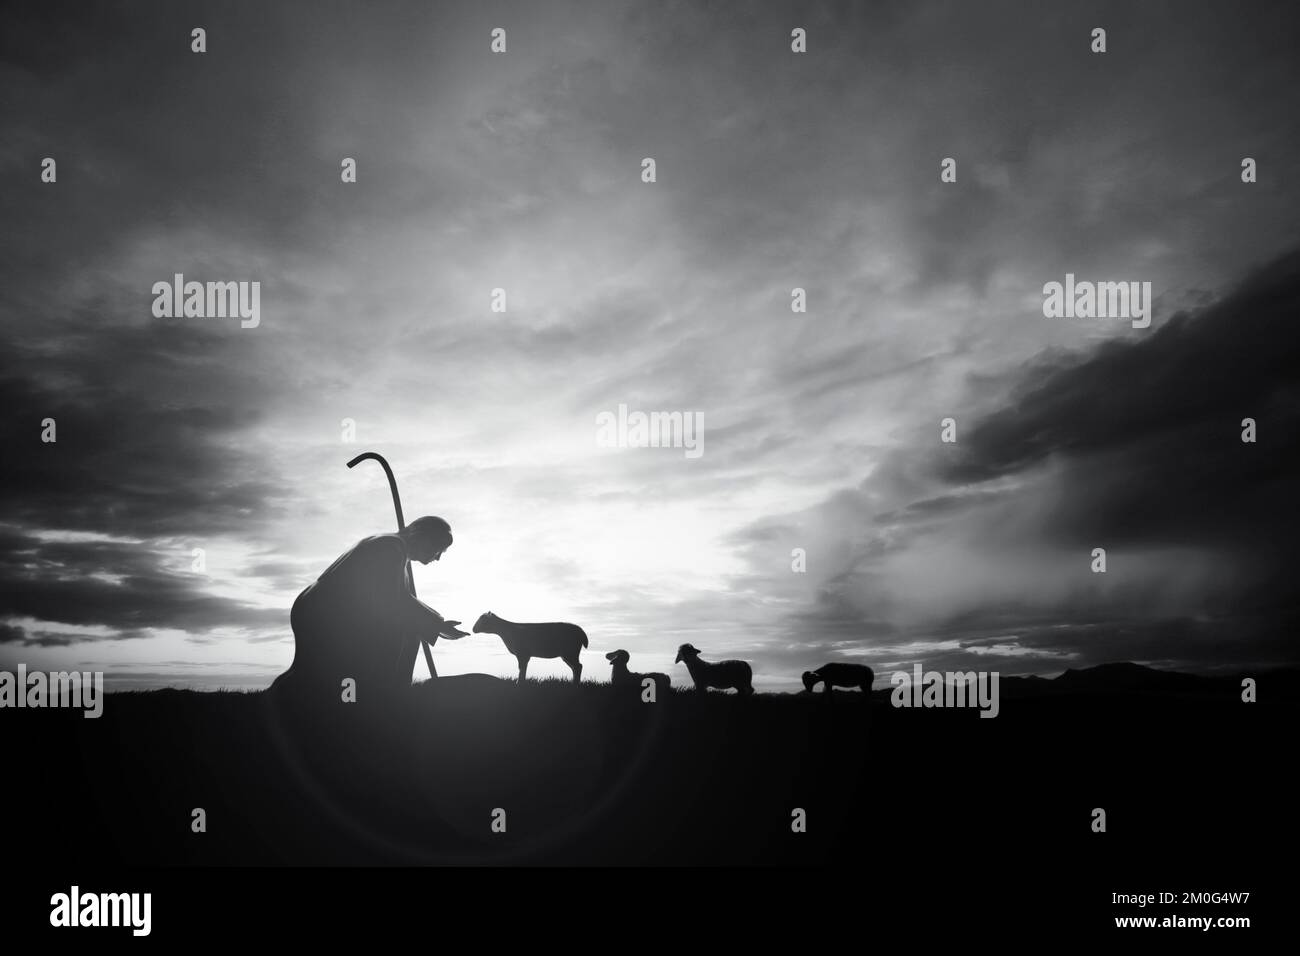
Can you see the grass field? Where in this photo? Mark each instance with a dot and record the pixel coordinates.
(588, 775)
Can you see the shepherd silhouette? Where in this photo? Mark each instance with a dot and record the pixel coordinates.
(361, 618)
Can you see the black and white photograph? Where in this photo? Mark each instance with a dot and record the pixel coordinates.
(624, 469)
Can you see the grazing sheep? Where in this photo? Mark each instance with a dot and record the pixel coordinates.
(526, 641)
(722, 674)
(622, 677)
(839, 674)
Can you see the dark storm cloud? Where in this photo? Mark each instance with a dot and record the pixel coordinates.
(147, 131)
(1134, 446)
(131, 585)
(138, 450)
(46, 639)
(1151, 428)
(150, 423)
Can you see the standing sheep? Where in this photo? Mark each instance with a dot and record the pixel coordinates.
(622, 677)
(722, 674)
(839, 674)
(526, 641)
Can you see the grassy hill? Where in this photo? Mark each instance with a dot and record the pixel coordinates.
(589, 775)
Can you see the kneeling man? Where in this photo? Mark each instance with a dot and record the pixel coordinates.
(361, 619)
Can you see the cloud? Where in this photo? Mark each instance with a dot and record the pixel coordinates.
(75, 588)
(1134, 446)
(133, 452)
(775, 170)
(1150, 428)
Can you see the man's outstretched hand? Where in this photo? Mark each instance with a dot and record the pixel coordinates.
(444, 628)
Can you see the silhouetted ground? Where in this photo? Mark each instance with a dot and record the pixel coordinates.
(1189, 777)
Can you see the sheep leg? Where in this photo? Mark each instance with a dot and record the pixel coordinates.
(576, 666)
(523, 668)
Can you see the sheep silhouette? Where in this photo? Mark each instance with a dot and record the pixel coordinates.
(839, 674)
(719, 674)
(622, 677)
(526, 641)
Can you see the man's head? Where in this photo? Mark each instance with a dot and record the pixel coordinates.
(426, 538)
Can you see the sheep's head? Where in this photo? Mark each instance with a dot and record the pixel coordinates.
(618, 657)
(686, 652)
(485, 622)
(809, 681)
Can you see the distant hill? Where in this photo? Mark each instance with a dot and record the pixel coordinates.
(1127, 677)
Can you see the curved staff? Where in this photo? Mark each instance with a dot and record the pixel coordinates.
(401, 526)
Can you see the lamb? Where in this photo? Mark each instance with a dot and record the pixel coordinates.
(839, 674)
(622, 677)
(526, 641)
(722, 674)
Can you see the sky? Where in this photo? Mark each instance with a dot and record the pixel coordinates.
(522, 171)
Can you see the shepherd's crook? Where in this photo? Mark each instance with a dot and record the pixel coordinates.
(401, 526)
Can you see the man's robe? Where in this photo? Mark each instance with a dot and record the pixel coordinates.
(361, 620)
